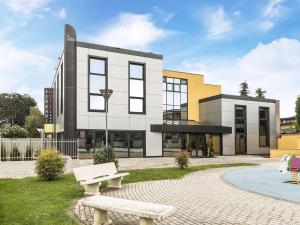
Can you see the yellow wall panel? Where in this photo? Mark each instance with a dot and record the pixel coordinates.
(197, 89)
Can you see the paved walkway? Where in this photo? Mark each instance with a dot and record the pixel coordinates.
(19, 169)
(203, 198)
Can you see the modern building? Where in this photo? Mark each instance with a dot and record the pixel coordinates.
(288, 125)
(152, 111)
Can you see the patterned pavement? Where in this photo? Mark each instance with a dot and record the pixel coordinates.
(202, 197)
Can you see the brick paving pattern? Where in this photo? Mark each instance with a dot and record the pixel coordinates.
(20, 169)
(202, 198)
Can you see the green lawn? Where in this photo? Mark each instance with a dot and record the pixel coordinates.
(31, 201)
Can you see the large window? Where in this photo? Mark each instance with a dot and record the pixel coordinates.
(240, 129)
(264, 133)
(175, 105)
(125, 143)
(136, 88)
(97, 81)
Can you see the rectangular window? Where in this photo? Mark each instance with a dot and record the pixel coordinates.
(175, 99)
(62, 88)
(136, 88)
(264, 128)
(97, 81)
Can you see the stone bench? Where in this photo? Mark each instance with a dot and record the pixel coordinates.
(148, 212)
(90, 177)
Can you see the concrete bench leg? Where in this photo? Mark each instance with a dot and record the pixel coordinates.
(115, 183)
(92, 189)
(101, 217)
(146, 221)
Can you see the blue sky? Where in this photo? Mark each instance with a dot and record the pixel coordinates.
(228, 41)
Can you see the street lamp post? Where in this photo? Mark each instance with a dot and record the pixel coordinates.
(106, 93)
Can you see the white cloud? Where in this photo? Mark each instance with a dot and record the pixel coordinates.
(163, 15)
(62, 14)
(136, 31)
(274, 66)
(21, 68)
(271, 14)
(217, 22)
(25, 6)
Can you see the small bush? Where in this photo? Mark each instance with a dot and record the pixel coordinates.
(3, 152)
(182, 159)
(15, 154)
(28, 153)
(37, 152)
(105, 155)
(49, 165)
(14, 131)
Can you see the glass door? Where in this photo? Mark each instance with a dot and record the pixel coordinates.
(197, 145)
(240, 130)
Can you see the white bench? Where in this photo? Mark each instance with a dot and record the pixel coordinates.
(148, 212)
(90, 177)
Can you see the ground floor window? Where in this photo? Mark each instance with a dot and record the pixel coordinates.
(198, 144)
(126, 143)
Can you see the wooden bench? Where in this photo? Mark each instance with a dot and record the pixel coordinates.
(148, 212)
(90, 177)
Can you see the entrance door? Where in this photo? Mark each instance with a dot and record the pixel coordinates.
(240, 130)
(197, 144)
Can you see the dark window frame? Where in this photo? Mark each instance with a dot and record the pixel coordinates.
(110, 136)
(106, 81)
(267, 134)
(245, 127)
(144, 87)
(183, 81)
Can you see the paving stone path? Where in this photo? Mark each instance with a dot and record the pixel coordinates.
(202, 198)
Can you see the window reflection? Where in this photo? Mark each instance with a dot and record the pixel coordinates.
(175, 99)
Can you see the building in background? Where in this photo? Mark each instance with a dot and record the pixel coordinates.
(288, 125)
(152, 111)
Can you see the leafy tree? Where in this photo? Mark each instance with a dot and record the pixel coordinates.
(14, 131)
(15, 107)
(244, 89)
(260, 93)
(34, 121)
(298, 112)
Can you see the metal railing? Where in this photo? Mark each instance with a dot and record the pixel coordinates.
(29, 148)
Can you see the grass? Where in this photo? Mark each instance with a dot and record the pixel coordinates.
(31, 201)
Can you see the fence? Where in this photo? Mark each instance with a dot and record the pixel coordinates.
(29, 148)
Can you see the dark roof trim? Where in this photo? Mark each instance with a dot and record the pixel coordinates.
(119, 50)
(237, 97)
(208, 129)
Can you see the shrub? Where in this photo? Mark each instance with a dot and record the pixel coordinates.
(3, 152)
(49, 165)
(182, 159)
(28, 153)
(15, 154)
(105, 155)
(37, 152)
(14, 131)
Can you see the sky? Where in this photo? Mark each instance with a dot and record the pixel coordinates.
(228, 41)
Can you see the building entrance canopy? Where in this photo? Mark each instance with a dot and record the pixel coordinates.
(175, 126)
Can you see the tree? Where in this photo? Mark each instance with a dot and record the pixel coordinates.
(15, 107)
(34, 121)
(260, 93)
(244, 89)
(298, 112)
(14, 131)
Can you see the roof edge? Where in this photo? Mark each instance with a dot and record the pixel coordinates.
(119, 50)
(237, 97)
